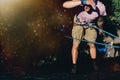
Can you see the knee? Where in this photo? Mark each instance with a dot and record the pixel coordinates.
(75, 46)
(91, 45)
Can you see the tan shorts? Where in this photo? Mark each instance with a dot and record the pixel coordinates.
(77, 34)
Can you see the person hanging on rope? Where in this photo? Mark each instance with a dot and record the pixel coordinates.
(82, 21)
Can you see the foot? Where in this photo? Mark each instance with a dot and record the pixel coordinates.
(74, 69)
(95, 67)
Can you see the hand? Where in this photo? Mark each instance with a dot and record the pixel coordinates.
(87, 9)
(92, 3)
(100, 24)
(101, 32)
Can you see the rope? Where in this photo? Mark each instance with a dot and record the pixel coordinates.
(98, 42)
(106, 32)
(103, 44)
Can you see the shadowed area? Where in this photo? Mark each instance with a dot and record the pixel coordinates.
(30, 30)
(33, 45)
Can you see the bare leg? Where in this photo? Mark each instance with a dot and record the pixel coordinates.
(92, 50)
(75, 53)
(74, 57)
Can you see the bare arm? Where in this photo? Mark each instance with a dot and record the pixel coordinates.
(71, 4)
